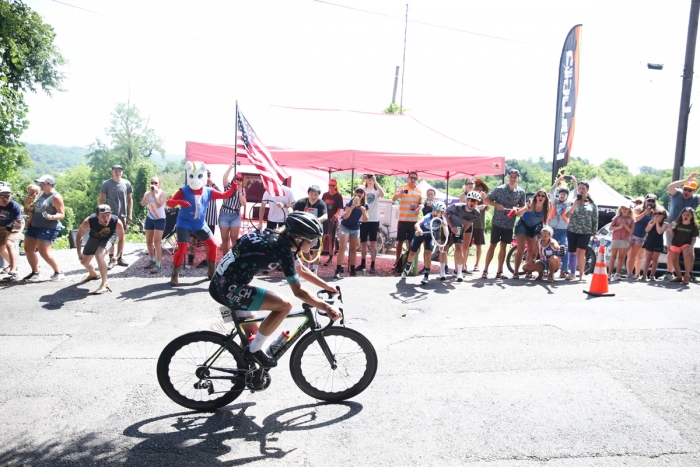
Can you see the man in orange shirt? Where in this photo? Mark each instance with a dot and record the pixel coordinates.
(410, 200)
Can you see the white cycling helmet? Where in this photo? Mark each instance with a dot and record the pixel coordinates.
(474, 195)
(438, 206)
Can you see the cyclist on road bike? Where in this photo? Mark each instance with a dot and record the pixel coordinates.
(254, 252)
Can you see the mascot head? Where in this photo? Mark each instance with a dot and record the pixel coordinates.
(196, 174)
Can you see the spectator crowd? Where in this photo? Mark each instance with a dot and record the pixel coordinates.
(551, 231)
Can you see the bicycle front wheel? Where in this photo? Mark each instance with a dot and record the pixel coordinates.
(355, 359)
(186, 380)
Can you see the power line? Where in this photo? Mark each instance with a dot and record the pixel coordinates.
(149, 28)
(434, 25)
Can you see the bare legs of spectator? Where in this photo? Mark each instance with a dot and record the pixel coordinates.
(521, 241)
(229, 236)
(501, 257)
(8, 253)
(478, 257)
(30, 245)
(632, 254)
(352, 254)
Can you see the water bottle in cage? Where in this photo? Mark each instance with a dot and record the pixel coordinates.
(279, 342)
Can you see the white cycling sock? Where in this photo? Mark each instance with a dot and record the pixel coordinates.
(459, 269)
(258, 342)
(442, 269)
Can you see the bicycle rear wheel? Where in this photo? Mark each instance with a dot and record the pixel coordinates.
(354, 356)
(184, 378)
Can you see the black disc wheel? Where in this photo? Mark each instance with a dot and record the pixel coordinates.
(354, 357)
(590, 260)
(188, 376)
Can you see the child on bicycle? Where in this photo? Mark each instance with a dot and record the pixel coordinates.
(550, 256)
(435, 221)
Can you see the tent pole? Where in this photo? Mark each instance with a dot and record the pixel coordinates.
(352, 182)
(235, 145)
(447, 190)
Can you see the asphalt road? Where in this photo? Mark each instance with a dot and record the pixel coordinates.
(497, 373)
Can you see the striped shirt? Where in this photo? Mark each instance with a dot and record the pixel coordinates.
(413, 197)
(232, 204)
(211, 217)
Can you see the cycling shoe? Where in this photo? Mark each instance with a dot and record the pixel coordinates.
(260, 357)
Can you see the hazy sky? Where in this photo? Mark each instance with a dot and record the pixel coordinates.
(184, 64)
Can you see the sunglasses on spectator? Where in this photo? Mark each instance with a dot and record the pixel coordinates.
(414, 178)
(539, 196)
(4, 196)
(659, 213)
(332, 186)
(469, 183)
(688, 189)
(359, 192)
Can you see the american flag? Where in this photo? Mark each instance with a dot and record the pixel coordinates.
(272, 174)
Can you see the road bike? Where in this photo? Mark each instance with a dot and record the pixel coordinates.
(206, 370)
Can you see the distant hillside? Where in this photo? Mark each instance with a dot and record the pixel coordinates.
(54, 160)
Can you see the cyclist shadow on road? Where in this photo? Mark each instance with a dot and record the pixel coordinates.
(204, 437)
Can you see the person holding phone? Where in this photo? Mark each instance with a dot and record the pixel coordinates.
(559, 217)
(642, 214)
(654, 244)
(356, 211)
(683, 196)
(410, 199)
(155, 199)
(369, 229)
(583, 224)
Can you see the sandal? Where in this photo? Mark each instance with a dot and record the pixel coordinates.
(686, 282)
(528, 275)
(11, 277)
(516, 275)
(476, 269)
(499, 275)
(102, 289)
(550, 278)
(89, 278)
(5, 270)
(677, 279)
(485, 275)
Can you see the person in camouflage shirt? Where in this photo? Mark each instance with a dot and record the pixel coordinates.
(504, 199)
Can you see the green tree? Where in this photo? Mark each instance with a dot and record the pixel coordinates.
(79, 191)
(130, 135)
(29, 60)
(395, 109)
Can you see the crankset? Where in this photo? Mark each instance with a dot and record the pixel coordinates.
(257, 379)
(205, 384)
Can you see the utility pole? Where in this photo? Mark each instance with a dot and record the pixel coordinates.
(682, 134)
(396, 83)
(403, 71)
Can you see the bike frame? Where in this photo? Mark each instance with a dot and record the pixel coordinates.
(308, 323)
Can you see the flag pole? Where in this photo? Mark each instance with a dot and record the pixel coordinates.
(235, 145)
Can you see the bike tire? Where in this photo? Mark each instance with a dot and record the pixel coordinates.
(510, 258)
(310, 368)
(380, 243)
(180, 359)
(590, 261)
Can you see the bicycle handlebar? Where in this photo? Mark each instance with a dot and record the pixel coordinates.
(319, 294)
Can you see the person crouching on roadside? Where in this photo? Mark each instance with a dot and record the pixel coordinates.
(550, 255)
(104, 230)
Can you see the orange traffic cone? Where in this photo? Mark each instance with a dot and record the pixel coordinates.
(599, 284)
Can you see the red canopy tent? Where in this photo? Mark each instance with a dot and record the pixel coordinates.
(342, 140)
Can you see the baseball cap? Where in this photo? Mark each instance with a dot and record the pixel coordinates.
(103, 208)
(5, 187)
(513, 171)
(46, 179)
(117, 166)
(690, 185)
(360, 187)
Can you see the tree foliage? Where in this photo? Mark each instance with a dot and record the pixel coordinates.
(130, 135)
(29, 60)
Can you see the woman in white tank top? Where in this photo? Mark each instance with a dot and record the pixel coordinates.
(155, 199)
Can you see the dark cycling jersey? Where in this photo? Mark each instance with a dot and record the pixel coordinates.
(255, 251)
(251, 253)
